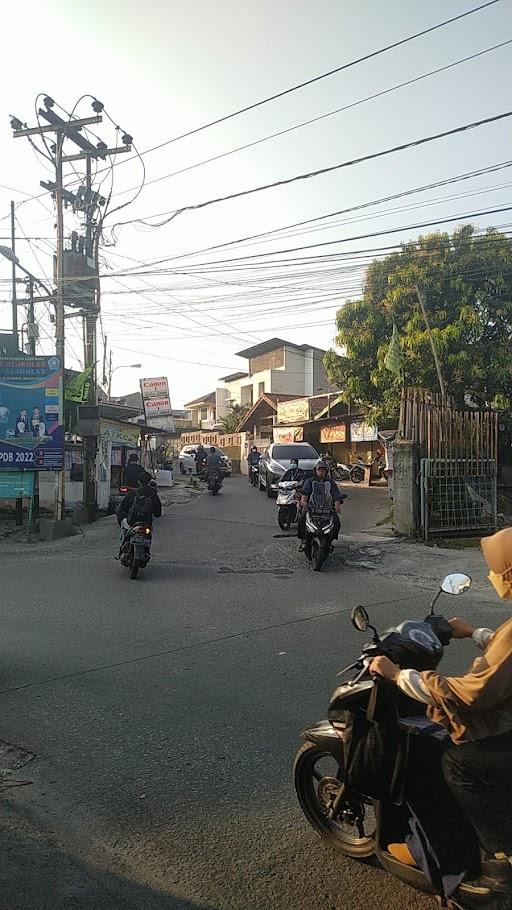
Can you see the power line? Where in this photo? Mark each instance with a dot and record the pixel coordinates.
(354, 208)
(338, 110)
(314, 79)
(320, 171)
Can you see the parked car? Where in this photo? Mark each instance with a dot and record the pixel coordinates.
(187, 461)
(277, 459)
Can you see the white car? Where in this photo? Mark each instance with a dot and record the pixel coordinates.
(187, 459)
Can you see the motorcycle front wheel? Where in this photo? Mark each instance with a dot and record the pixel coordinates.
(318, 778)
(318, 554)
(357, 475)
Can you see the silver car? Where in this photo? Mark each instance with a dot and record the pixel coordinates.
(277, 459)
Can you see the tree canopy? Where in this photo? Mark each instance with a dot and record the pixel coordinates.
(233, 418)
(466, 283)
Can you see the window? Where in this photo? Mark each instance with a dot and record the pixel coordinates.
(261, 389)
(294, 451)
(203, 414)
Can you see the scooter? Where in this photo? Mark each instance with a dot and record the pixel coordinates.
(347, 819)
(287, 503)
(254, 474)
(135, 551)
(353, 472)
(319, 528)
(214, 482)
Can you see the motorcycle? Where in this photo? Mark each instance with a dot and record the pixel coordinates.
(287, 503)
(353, 472)
(254, 474)
(319, 528)
(214, 482)
(345, 818)
(136, 547)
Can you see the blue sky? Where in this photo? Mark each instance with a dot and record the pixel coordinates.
(162, 68)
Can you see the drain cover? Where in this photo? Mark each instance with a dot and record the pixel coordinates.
(12, 757)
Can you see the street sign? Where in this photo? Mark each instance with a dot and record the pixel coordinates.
(155, 397)
(31, 407)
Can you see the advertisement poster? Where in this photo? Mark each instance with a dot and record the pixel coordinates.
(285, 435)
(337, 433)
(31, 434)
(119, 434)
(293, 411)
(155, 397)
(363, 432)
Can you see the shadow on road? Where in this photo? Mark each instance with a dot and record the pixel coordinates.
(37, 873)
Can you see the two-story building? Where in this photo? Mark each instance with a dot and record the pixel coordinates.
(278, 367)
(203, 411)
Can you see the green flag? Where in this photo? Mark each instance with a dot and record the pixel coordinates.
(394, 359)
(78, 389)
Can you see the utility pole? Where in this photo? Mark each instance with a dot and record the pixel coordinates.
(432, 345)
(91, 442)
(110, 376)
(59, 314)
(32, 352)
(85, 200)
(14, 299)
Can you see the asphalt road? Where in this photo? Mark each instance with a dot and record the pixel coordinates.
(164, 713)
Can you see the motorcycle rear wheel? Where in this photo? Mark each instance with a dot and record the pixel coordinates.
(357, 475)
(283, 518)
(342, 833)
(134, 568)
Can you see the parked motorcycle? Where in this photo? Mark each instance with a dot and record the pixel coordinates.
(214, 482)
(136, 547)
(353, 472)
(348, 820)
(287, 503)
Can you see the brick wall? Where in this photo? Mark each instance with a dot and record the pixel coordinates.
(272, 360)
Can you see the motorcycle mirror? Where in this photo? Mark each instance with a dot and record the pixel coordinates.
(456, 583)
(360, 619)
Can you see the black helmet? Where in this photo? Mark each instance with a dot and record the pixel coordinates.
(212, 450)
(321, 465)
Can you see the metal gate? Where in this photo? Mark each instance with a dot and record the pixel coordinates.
(458, 495)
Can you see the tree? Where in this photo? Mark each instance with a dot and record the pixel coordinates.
(233, 418)
(466, 281)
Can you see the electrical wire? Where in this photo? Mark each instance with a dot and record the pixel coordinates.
(318, 78)
(332, 113)
(321, 171)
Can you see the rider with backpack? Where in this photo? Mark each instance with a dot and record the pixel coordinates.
(140, 506)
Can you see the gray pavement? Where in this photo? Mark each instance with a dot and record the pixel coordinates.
(164, 713)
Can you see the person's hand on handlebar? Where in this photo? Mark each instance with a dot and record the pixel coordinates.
(461, 628)
(383, 666)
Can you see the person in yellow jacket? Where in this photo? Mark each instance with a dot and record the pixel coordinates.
(476, 711)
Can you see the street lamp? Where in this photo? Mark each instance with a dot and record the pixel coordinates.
(122, 366)
(9, 254)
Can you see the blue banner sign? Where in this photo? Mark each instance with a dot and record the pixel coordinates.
(31, 430)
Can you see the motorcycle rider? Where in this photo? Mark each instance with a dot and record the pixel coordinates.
(132, 471)
(320, 483)
(294, 472)
(213, 462)
(200, 458)
(252, 460)
(476, 711)
(140, 505)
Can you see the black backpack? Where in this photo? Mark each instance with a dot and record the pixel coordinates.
(141, 509)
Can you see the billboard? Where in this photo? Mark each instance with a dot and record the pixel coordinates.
(155, 397)
(31, 407)
(285, 435)
(293, 411)
(336, 433)
(363, 432)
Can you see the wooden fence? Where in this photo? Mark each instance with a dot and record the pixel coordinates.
(443, 431)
